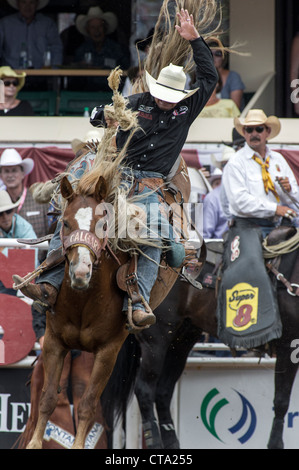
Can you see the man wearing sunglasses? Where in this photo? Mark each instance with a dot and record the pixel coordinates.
(260, 187)
(12, 225)
(258, 181)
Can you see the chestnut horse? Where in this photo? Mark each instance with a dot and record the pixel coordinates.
(88, 312)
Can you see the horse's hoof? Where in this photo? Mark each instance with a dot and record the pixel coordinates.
(275, 440)
(34, 445)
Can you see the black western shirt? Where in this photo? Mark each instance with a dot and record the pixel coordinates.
(156, 146)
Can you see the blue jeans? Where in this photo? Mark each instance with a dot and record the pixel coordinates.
(147, 269)
(148, 265)
(54, 276)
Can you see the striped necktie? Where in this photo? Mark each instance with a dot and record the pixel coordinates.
(267, 180)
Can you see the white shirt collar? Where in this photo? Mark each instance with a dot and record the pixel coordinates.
(249, 152)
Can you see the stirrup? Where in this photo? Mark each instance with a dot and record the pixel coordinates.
(54, 258)
(28, 278)
(131, 325)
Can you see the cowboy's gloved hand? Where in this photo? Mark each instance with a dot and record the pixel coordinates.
(187, 29)
(97, 118)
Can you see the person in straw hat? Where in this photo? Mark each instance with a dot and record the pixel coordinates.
(32, 32)
(166, 113)
(259, 186)
(12, 225)
(256, 179)
(13, 83)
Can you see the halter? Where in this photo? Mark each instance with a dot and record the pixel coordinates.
(86, 239)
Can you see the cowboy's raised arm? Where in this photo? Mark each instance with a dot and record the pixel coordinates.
(186, 28)
(206, 73)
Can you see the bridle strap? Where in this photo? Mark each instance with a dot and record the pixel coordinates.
(86, 239)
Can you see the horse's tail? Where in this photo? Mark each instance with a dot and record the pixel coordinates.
(120, 387)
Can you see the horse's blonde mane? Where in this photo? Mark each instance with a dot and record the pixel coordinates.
(109, 164)
(168, 46)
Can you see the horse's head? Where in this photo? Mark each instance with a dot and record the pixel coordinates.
(81, 245)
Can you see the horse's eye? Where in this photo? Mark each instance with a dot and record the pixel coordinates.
(65, 224)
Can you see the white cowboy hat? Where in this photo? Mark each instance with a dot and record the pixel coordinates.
(257, 117)
(170, 85)
(96, 12)
(218, 159)
(10, 157)
(8, 72)
(40, 4)
(199, 183)
(6, 203)
(217, 173)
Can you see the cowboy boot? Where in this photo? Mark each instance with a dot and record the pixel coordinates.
(43, 294)
(141, 318)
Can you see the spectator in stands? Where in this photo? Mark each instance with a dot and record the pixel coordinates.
(37, 32)
(214, 218)
(13, 82)
(220, 107)
(232, 84)
(12, 225)
(13, 170)
(25, 38)
(98, 50)
(215, 178)
(71, 40)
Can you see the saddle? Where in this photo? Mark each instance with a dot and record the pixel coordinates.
(280, 234)
(127, 279)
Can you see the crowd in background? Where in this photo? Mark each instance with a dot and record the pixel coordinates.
(87, 43)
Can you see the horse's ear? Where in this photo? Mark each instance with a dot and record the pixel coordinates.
(100, 189)
(66, 189)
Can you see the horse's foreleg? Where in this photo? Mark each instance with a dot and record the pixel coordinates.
(174, 365)
(285, 372)
(53, 359)
(103, 366)
(145, 388)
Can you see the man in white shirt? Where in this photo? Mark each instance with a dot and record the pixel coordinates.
(257, 180)
(260, 188)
